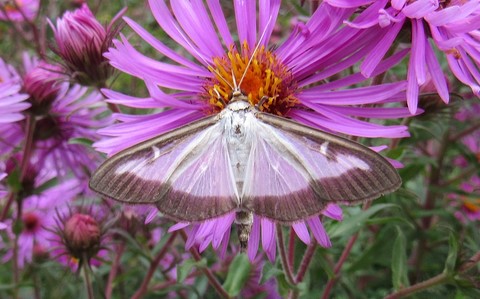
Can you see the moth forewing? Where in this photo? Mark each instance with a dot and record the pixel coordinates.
(141, 174)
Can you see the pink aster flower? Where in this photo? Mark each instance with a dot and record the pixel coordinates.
(12, 102)
(61, 134)
(66, 116)
(453, 26)
(81, 41)
(295, 78)
(74, 115)
(18, 10)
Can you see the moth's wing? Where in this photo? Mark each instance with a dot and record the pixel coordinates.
(185, 172)
(294, 171)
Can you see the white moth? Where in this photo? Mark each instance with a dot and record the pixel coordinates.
(246, 161)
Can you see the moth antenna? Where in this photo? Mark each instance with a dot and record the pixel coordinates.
(254, 52)
(236, 87)
(203, 58)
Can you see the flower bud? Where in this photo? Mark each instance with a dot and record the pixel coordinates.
(81, 41)
(42, 84)
(82, 236)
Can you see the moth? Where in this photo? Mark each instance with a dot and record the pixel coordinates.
(245, 161)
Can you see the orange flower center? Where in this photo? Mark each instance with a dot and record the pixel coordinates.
(471, 205)
(266, 81)
(12, 7)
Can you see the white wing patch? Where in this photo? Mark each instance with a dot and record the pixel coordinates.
(324, 148)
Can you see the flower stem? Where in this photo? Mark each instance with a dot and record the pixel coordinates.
(291, 248)
(338, 266)
(113, 270)
(88, 282)
(153, 266)
(307, 258)
(467, 131)
(27, 153)
(287, 268)
(16, 274)
(6, 208)
(431, 196)
(346, 252)
(439, 279)
(210, 277)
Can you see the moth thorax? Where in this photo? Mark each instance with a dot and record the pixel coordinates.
(244, 221)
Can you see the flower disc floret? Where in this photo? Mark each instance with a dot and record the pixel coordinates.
(266, 81)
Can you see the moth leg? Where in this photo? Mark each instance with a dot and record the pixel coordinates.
(261, 102)
(219, 98)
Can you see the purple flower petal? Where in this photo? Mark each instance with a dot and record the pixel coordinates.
(418, 47)
(178, 226)
(436, 73)
(348, 3)
(268, 237)
(254, 239)
(375, 56)
(319, 232)
(220, 21)
(302, 232)
(193, 18)
(333, 211)
(268, 12)
(245, 12)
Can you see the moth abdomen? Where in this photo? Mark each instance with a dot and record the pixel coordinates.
(244, 222)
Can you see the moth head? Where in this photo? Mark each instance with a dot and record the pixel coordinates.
(237, 95)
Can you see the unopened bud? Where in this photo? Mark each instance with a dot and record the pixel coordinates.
(82, 236)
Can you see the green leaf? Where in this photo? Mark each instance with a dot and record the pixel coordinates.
(452, 253)
(283, 286)
(237, 275)
(269, 271)
(13, 181)
(399, 261)
(390, 220)
(323, 262)
(47, 185)
(396, 153)
(80, 140)
(186, 267)
(379, 253)
(355, 222)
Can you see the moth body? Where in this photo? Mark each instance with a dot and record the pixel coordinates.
(237, 120)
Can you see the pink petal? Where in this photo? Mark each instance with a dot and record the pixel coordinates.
(333, 211)
(302, 232)
(319, 232)
(254, 239)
